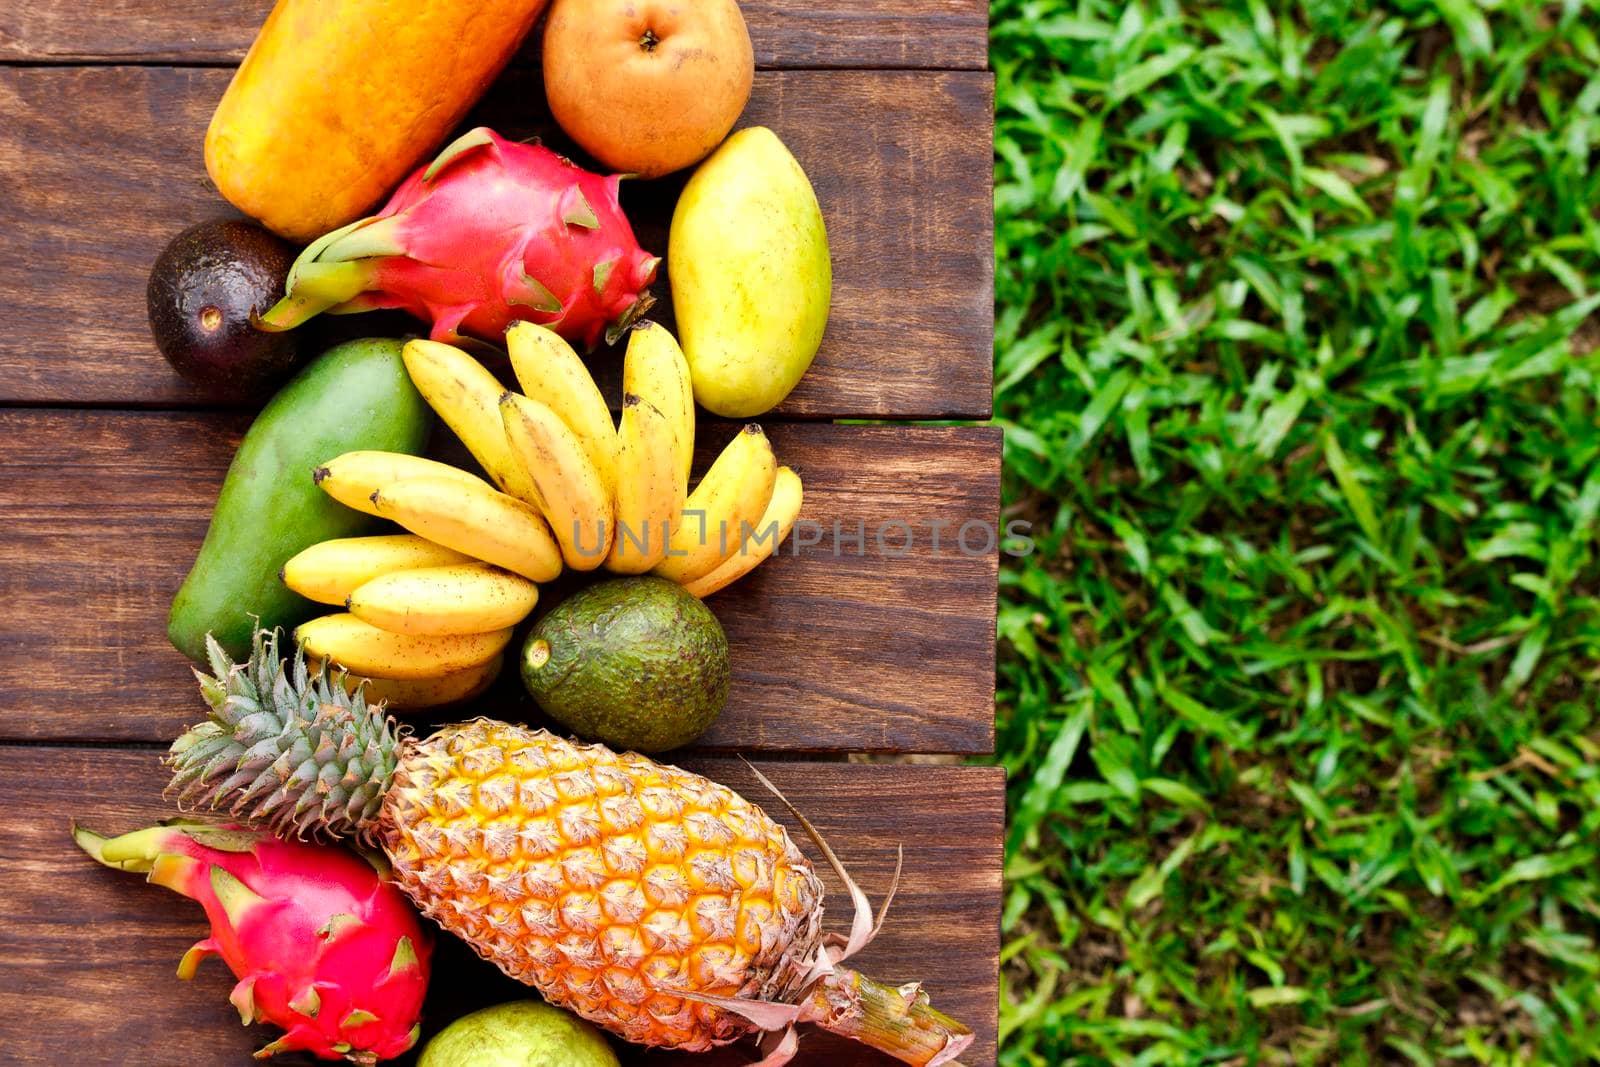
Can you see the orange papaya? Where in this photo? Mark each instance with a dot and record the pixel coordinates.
(337, 100)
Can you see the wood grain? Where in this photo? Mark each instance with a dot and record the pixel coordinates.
(87, 954)
(99, 167)
(832, 652)
(871, 651)
(934, 34)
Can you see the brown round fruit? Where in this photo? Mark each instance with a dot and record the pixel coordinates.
(202, 291)
(647, 87)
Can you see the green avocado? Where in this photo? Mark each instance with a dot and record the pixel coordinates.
(637, 663)
(354, 396)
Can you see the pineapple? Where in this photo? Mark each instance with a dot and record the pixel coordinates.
(649, 900)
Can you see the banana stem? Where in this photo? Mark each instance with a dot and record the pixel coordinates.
(626, 320)
(897, 1021)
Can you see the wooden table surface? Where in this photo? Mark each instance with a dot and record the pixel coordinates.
(112, 463)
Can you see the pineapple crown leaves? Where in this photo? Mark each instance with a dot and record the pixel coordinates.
(284, 748)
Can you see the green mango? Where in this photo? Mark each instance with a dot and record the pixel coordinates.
(354, 396)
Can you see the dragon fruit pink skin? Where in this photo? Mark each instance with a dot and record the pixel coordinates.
(322, 946)
(490, 232)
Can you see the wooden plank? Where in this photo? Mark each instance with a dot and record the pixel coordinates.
(89, 953)
(933, 34)
(99, 167)
(845, 652)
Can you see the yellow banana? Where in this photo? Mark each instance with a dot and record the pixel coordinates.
(553, 374)
(467, 598)
(353, 477)
(650, 490)
(655, 369)
(575, 498)
(467, 398)
(475, 519)
(775, 524)
(413, 694)
(733, 493)
(330, 571)
(363, 648)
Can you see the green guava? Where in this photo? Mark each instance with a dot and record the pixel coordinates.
(522, 1033)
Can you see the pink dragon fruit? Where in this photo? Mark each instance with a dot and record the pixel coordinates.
(322, 946)
(490, 232)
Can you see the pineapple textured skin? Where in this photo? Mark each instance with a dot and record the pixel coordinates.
(609, 882)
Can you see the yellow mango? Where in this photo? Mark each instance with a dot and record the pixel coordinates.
(338, 100)
(748, 262)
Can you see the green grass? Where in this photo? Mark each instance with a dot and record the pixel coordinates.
(1298, 357)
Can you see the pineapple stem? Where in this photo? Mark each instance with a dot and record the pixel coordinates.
(897, 1021)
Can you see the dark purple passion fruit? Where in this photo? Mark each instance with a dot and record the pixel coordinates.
(203, 289)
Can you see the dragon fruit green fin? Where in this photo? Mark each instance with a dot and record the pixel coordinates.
(93, 844)
(580, 213)
(198, 952)
(528, 291)
(243, 997)
(474, 138)
(319, 287)
(602, 273)
(381, 237)
(404, 959)
(308, 1002)
(236, 898)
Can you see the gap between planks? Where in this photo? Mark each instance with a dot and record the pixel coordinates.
(784, 34)
(104, 169)
(834, 648)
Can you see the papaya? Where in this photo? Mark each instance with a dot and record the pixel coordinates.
(337, 100)
(354, 396)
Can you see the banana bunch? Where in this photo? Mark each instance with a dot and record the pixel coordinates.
(427, 614)
(424, 624)
(613, 494)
